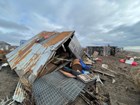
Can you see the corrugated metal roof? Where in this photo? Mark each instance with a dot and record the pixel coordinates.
(30, 57)
(76, 48)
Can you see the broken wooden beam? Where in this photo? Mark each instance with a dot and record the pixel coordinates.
(104, 73)
(110, 70)
(85, 99)
(62, 59)
(61, 66)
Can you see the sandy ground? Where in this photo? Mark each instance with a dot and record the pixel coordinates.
(124, 91)
(8, 82)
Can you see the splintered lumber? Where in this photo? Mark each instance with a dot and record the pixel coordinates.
(110, 70)
(61, 66)
(92, 95)
(85, 99)
(97, 90)
(105, 66)
(62, 59)
(104, 73)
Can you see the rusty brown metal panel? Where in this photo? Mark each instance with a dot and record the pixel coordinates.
(58, 38)
(44, 33)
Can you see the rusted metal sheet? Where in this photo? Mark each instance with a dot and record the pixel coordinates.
(58, 38)
(76, 48)
(29, 59)
(19, 94)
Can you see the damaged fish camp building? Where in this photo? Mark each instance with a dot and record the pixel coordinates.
(38, 60)
(103, 50)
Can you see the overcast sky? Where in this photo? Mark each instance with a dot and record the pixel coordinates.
(96, 22)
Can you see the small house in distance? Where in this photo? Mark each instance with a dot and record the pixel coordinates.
(4, 46)
(4, 49)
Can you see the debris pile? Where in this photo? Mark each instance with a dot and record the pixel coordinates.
(47, 60)
(53, 69)
(129, 60)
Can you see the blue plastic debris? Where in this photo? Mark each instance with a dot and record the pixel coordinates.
(84, 66)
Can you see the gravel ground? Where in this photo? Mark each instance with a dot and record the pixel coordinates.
(8, 82)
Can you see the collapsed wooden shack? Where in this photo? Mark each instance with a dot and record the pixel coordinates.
(45, 53)
(33, 59)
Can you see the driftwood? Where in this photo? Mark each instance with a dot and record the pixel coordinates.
(111, 75)
(105, 66)
(110, 70)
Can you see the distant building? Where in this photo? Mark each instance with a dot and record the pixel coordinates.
(103, 50)
(4, 46)
(22, 42)
(4, 49)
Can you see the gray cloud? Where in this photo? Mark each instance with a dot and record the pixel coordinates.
(12, 25)
(126, 35)
(95, 21)
(13, 37)
(132, 31)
